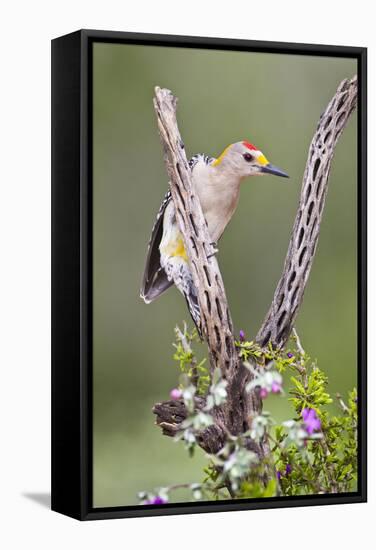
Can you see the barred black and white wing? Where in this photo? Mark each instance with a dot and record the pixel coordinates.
(154, 280)
(197, 158)
(158, 278)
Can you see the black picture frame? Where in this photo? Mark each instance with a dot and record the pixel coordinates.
(72, 272)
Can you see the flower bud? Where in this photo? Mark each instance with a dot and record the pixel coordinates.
(176, 394)
(157, 500)
(263, 393)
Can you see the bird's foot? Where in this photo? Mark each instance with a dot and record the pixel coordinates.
(215, 250)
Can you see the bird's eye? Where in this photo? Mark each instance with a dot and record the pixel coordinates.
(247, 157)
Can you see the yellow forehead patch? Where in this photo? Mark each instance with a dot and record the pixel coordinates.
(221, 157)
(262, 160)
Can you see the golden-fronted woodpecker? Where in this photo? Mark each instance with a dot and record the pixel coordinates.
(217, 184)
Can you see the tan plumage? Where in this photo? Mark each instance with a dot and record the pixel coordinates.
(217, 184)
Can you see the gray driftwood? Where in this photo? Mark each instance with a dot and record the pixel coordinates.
(216, 323)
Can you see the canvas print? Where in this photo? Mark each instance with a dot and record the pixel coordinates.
(225, 277)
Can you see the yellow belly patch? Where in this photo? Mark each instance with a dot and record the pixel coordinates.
(176, 248)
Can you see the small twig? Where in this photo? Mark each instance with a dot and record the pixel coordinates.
(188, 349)
(182, 486)
(342, 404)
(298, 342)
(300, 366)
(329, 467)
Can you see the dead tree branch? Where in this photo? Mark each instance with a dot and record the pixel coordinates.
(288, 295)
(216, 321)
(215, 316)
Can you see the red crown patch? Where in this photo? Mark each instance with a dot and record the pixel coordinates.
(249, 146)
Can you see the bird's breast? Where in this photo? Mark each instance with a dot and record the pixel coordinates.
(218, 201)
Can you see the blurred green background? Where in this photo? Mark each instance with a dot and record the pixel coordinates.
(273, 101)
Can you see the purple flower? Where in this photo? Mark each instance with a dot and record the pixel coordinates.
(276, 388)
(290, 355)
(242, 335)
(176, 394)
(279, 475)
(263, 393)
(288, 469)
(156, 500)
(311, 420)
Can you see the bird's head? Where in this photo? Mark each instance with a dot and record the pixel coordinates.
(244, 159)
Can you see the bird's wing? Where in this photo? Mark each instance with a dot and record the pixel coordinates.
(154, 281)
(200, 157)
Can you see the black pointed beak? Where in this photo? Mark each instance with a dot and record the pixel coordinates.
(270, 169)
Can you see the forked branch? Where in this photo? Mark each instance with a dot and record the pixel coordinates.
(236, 415)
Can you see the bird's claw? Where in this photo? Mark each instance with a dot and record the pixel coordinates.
(214, 250)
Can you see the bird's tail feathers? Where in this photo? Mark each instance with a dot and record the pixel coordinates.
(194, 309)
